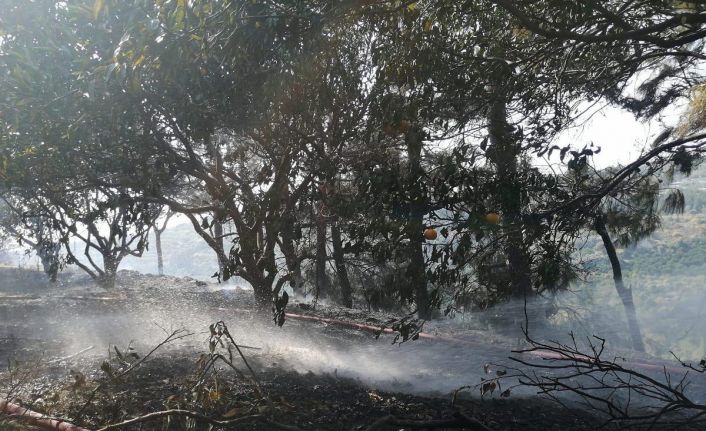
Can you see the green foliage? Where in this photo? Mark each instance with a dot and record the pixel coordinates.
(634, 214)
(674, 203)
(282, 118)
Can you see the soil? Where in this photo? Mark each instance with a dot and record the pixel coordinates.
(57, 341)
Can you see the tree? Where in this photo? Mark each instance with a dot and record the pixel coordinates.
(625, 217)
(656, 44)
(263, 151)
(334, 124)
(110, 224)
(132, 126)
(632, 215)
(61, 134)
(625, 293)
(158, 231)
(258, 115)
(457, 72)
(35, 232)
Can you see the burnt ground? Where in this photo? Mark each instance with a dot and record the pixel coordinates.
(57, 340)
(309, 401)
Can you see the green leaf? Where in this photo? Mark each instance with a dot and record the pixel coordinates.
(97, 8)
(180, 14)
(111, 68)
(138, 61)
(428, 24)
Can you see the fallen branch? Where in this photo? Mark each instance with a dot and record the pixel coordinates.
(35, 418)
(538, 352)
(65, 358)
(608, 386)
(372, 329)
(199, 417)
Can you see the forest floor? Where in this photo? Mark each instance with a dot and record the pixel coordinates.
(67, 348)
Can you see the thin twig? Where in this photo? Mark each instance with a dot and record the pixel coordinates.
(70, 356)
(600, 383)
(198, 416)
(175, 335)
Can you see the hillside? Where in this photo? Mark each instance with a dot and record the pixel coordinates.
(184, 252)
(667, 274)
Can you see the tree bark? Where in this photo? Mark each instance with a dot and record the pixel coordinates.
(49, 256)
(218, 237)
(289, 251)
(47, 250)
(504, 153)
(624, 292)
(217, 160)
(416, 269)
(341, 271)
(158, 246)
(263, 294)
(321, 278)
(158, 231)
(110, 268)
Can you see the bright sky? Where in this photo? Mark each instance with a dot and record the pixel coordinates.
(620, 136)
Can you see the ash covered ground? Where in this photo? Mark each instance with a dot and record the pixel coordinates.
(320, 376)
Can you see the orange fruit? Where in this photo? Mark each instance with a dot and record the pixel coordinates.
(492, 217)
(430, 234)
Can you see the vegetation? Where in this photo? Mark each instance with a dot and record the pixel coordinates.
(313, 143)
(380, 154)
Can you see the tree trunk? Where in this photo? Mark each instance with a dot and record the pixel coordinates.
(321, 278)
(504, 153)
(263, 295)
(342, 272)
(290, 254)
(110, 269)
(624, 292)
(217, 159)
(48, 251)
(416, 270)
(158, 246)
(218, 237)
(49, 256)
(256, 265)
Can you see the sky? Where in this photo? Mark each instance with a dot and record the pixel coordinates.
(616, 132)
(620, 136)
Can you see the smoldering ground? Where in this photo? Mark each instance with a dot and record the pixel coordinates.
(53, 323)
(62, 321)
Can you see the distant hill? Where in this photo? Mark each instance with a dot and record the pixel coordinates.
(185, 254)
(667, 273)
